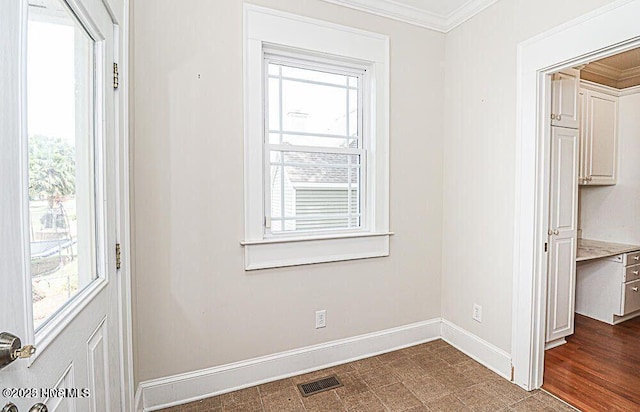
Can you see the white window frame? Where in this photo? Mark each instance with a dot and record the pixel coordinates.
(266, 29)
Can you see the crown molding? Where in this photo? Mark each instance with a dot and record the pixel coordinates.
(619, 77)
(466, 11)
(603, 70)
(416, 16)
(629, 73)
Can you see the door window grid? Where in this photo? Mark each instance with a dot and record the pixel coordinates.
(278, 219)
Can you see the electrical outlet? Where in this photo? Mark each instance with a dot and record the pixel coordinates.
(321, 319)
(477, 312)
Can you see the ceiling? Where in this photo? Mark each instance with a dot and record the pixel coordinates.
(439, 15)
(623, 61)
(620, 71)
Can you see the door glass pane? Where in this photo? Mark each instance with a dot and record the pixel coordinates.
(60, 121)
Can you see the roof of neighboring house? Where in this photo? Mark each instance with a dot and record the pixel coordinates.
(319, 174)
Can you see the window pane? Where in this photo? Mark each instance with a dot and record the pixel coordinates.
(315, 191)
(274, 105)
(60, 87)
(353, 113)
(312, 108)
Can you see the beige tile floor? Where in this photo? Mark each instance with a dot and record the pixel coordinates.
(430, 377)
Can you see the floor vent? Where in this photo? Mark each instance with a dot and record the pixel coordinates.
(320, 385)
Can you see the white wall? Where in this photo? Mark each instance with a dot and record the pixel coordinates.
(612, 213)
(194, 305)
(479, 159)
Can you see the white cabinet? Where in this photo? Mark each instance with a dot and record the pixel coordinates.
(598, 136)
(563, 222)
(565, 111)
(609, 289)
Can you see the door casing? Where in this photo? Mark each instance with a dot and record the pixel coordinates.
(606, 31)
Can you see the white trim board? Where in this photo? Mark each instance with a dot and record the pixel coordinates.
(482, 351)
(418, 16)
(606, 31)
(174, 390)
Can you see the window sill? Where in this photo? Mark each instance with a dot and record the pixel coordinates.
(274, 252)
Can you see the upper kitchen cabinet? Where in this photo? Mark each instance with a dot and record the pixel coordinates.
(598, 135)
(564, 107)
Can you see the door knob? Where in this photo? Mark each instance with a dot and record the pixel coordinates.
(39, 407)
(9, 408)
(11, 349)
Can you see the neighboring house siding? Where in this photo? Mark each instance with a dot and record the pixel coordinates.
(314, 201)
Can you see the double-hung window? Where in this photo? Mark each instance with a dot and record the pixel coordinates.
(314, 147)
(316, 141)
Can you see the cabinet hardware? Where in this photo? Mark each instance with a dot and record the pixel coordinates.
(635, 289)
(559, 117)
(553, 116)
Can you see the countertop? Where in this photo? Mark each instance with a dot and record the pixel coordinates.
(595, 249)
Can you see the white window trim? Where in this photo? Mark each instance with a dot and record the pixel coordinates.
(262, 27)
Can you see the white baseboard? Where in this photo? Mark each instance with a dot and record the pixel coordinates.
(554, 343)
(187, 387)
(482, 351)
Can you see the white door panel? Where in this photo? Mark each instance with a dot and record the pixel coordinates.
(562, 232)
(601, 137)
(58, 208)
(564, 107)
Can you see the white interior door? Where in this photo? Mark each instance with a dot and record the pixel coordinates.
(57, 173)
(562, 233)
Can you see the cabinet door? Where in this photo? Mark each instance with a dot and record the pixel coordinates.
(562, 233)
(564, 108)
(601, 138)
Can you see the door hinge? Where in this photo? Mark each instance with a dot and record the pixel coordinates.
(118, 256)
(116, 80)
(267, 222)
(546, 247)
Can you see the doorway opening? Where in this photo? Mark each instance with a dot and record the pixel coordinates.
(593, 270)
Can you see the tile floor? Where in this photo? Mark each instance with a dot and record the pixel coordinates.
(430, 377)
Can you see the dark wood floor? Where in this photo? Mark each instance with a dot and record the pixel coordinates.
(599, 367)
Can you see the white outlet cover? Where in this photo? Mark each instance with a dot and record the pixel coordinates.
(321, 319)
(477, 313)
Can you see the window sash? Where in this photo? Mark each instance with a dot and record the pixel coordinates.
(308, 63)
